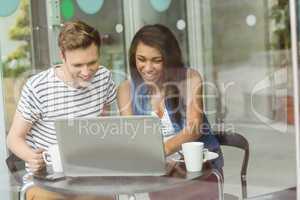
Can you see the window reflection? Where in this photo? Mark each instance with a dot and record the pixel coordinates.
(92, 7)
(160, 5)
(8, 7)
(67, 9)
(251, 69)
(169, 13)
(16, 55)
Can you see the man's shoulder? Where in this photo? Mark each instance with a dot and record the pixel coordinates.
(102, 74)
(103, 70)
(39, 78)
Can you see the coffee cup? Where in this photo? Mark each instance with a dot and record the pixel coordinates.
(194, 155)
(52, 157)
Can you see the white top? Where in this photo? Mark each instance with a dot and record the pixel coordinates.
(167, 128)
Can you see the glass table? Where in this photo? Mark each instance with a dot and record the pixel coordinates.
(176, 184)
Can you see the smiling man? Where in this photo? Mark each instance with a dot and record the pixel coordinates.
(80, 87)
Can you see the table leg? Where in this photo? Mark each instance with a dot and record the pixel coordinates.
(24, 189)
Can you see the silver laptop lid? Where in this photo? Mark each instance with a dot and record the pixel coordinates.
(111, 146)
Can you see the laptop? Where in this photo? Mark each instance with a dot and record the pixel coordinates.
(111, 146)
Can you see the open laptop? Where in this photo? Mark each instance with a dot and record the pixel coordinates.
(111, 146)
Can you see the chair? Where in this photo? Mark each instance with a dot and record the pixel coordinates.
(16, 166)
(236, 140)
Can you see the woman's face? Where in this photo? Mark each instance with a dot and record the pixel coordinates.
(149, 63)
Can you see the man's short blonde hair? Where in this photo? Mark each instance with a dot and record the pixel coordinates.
(78, 35)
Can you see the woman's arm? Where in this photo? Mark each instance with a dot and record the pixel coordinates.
(124, 98)
(194, 111)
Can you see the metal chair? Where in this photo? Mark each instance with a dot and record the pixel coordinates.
(236, 140)
(16, 166)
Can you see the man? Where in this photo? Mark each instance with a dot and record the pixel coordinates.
(80, 87)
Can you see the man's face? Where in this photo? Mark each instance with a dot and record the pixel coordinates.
(80, 65)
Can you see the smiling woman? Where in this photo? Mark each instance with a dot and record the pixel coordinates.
(161, 85)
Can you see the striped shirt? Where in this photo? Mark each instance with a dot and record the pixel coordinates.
(45, 98)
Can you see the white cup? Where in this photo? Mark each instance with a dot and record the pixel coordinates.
(53, 154)
(194, 155)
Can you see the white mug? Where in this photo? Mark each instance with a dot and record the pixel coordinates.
(194, 155)
(53, 154)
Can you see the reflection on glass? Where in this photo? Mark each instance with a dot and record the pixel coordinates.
(119, 28)
(180, 24)
(251, 71)
(91, 7)
(160, 5)
(8, 7)
(298, 17)
(251, 20)
(67, 9)
(15, 40)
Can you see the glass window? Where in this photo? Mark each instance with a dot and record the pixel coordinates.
(171, 13)
(252, 78)
(15, 40)
(15, 63)
(244, 52)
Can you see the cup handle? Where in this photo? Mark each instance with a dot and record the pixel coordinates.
(46, 156)
(205, 154)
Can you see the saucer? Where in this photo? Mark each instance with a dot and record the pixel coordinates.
(210, 156)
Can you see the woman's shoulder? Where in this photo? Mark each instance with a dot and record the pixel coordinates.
(193, 73)
(192, 76)
(123, 89)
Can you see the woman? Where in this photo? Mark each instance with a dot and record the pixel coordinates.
(161, 85)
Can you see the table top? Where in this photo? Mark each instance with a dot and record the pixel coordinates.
(177, 176)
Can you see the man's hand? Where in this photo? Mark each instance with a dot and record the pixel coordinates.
(36, 163)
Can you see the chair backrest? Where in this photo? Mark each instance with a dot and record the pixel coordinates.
(15, 165)
(237, 140)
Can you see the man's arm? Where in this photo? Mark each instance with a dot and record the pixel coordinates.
(16, 141)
